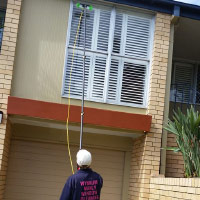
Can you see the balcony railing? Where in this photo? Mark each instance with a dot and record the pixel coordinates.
(183, 96)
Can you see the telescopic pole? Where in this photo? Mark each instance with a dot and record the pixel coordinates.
(83, 89)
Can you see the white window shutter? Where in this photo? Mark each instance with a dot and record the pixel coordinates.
(115, 38)
(74, 25)
(99, 69)
(76, 75)
(118, 33)
(135, 43)
(113, 83)
(182, 83)
(103, 31)
(137, 36)
(99, 78)
(133, 83)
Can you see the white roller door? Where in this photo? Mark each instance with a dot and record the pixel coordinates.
(38, 171)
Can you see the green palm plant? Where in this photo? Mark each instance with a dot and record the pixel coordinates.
(186, 128)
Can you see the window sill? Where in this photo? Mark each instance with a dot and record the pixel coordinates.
(108, 103)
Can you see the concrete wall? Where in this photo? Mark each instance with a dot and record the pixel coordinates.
(41, 53)
(41, 49)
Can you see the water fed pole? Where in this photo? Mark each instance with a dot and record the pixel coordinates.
(84, 7)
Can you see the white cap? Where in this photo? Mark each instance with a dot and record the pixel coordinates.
(83, 157)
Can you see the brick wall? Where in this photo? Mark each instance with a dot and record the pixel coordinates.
(6, 70)
(174, 161)
(146, 150)
(174, 188)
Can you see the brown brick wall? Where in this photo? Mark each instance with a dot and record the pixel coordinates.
(6, 70)
(146, 150)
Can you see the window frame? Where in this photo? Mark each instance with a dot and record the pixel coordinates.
(109, 55)
(195, 65)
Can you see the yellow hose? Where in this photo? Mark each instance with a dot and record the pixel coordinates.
(68, 112)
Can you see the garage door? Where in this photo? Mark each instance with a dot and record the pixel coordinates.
(38, 171)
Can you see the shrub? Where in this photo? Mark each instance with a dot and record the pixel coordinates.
(187, 131)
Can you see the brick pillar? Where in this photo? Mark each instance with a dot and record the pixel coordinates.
(7, 55)
(146, 150)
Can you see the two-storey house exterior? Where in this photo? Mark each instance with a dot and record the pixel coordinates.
(129, 67)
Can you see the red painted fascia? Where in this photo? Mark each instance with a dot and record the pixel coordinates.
(92, 116)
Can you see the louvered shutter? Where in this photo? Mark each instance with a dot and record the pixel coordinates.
(118, 33)
(113, 84)
(99, 68)
(76, 62)
(74, 25)
(133, 74)
(137, 37)
(182, 83)
(76, 75)
(133, 83)
(115, 38)
(103, 30)
(99, 78)
(97, 39)
(127, 82)
(136, 31)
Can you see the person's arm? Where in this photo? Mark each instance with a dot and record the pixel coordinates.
(101, 181)
(67, 191)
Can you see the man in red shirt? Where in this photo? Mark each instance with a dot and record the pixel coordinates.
(85, 184)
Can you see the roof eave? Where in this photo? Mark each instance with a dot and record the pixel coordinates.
(164, 6)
